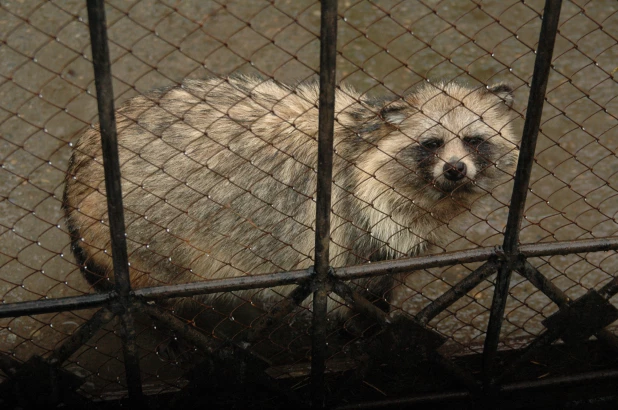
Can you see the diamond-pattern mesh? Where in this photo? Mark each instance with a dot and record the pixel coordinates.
(385, 48)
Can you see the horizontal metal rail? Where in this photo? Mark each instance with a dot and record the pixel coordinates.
(35, 307)
(122, 301)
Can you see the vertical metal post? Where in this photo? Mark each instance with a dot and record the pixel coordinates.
(107, 120)
(538, 87)
(328, 56)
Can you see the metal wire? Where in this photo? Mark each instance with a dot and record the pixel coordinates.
(567, 236)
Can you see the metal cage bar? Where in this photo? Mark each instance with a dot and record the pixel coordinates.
(17, 309)
(542, 65)
(328, 60)
(111, 162)
(505, 259)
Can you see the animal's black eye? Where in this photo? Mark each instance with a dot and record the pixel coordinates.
(474, 141)
(432, 144)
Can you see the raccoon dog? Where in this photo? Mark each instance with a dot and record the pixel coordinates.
(219, 177)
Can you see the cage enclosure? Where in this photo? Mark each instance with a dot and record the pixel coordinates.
(255, 254)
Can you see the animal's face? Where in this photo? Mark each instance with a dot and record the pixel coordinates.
(450, 139)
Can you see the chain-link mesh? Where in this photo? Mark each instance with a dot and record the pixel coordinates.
(385, 49)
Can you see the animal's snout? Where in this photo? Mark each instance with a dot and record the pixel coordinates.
(454, 171)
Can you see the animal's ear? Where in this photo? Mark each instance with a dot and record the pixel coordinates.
(504, 92)
(395, 112)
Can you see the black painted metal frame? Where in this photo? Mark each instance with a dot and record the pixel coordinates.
(321, 280)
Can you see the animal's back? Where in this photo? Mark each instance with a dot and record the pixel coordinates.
(218, 181)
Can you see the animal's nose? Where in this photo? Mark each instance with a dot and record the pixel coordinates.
(454, 171)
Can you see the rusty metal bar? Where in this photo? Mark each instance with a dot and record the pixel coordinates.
(224, 285)
(568, 247)
(456, 292)
(37, 307)
(111, 162)
(194, 336)
(17, 309)
(190, 333)
(409, 265)
(559, 298)
(532, 124)
(543, 284)
(551, 334)
(326, 124)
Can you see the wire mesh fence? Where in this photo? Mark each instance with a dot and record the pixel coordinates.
(385, 50)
